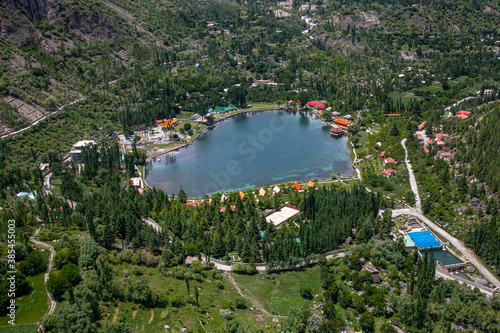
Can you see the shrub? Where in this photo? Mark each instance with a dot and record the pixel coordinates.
(244, 269)
(306, 292)
(239, 303)
(33, 264)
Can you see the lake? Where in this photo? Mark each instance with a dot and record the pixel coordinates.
(250, 150)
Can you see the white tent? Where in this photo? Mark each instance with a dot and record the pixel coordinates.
(276, 189)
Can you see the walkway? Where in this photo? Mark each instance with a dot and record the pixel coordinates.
(356, 161)
(52, 303)
(413, 180)
(46, 183)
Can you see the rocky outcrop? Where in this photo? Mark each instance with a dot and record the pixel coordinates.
(32, 8)
(366, 20)
(414, 56)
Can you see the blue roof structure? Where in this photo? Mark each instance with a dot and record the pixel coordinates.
(424, 239)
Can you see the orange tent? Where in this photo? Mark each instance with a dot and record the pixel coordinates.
(298, 187)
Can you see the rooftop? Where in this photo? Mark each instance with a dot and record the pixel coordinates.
(282, 214)
(84, 143)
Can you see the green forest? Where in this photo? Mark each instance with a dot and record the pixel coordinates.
(128, 259)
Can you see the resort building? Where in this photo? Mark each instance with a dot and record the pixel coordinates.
(76, 151)
(342, 123)
(421, 126)
(337, 131)
(282, 214)
(388, 172)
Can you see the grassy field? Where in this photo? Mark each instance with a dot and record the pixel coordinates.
(211, 300)
(279, 292)
(436, 87)
(184, 115)
(257, 106)
(404, 96)
(19, 329)
(31, 307)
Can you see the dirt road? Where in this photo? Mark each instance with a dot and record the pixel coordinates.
(52, 303)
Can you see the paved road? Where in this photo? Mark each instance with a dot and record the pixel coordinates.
(355, 161)
(446, 275)
(39, 120)
(46, 182)
(152, 223)
(413, 180)
(223, 265)
(417, 212)
(52, 303)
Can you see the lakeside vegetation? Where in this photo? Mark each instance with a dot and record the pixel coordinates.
(129, 63)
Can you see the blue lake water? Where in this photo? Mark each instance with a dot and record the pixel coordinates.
(250, 150)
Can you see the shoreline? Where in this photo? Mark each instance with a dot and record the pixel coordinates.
(325, 181)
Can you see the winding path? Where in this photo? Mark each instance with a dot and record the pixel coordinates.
(417, 212)
(52, 303)
(39, 120)
(355, 162)
(249, 298)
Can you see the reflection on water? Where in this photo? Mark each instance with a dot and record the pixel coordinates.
(445, 257)
(248, 151)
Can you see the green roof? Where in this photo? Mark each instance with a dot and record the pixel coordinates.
(408, 241)
(230, 107)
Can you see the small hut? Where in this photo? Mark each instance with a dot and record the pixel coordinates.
(311, 184)
(298, 187)
(276, 190)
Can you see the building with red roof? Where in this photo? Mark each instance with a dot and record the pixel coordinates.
(298, 187)
(388, 172)
(430, 141)
(382, 154)
(440, 136)
(342, 122)
(320, 106)
(223, 209)
(461, 116)
(464, 112)
(426, 150)
(196, 203)
(393, 115)
(390, 160)
(312, 103)
(445, 154)
(337, 131)
(421, 126)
